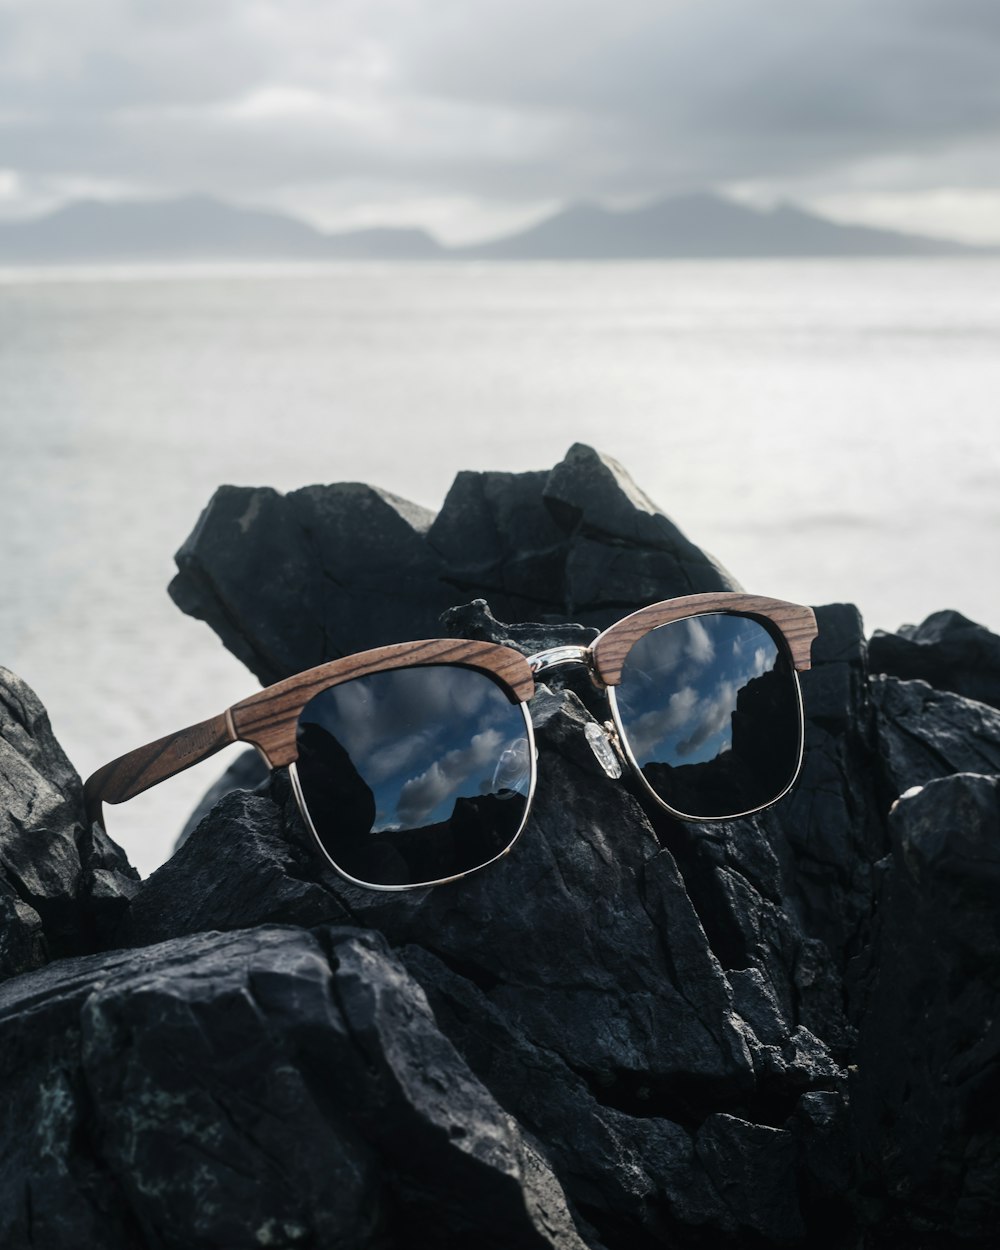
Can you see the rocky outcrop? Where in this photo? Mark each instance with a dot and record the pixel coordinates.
(927, 1062)
(267, 1087)
(351, 566)
(948, 650)
(630, 1032)
(62, 886)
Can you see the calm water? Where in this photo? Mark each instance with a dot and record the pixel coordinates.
(828, 430)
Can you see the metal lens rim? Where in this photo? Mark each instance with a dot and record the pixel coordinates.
(303, 807)
(626, 747)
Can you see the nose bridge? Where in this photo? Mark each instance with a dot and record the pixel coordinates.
(552, 657)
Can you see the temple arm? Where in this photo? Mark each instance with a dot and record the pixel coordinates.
(130, 774)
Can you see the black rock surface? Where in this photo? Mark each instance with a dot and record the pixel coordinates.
(62, 886)
(630, 1032)
(927, 1084)
(350, 566)
(948, 650)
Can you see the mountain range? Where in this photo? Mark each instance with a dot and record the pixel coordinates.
(199, 228)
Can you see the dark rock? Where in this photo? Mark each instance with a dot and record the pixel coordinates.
(629, 1170)
(267, 1087)
(609, 1000)
(265, 571)
(948, 650)
(925, 733)
(237, 868)
(592, 496)
(830, 831)
(820, 1124)
(496, 537)
(288, 581)
(751, 1166)
(666, 1013)
(247, 772)
(927, 1080)
(528, 925)
(604, 581)
(22, 939)
(62, 886)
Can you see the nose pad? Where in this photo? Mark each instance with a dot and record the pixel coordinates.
(600, 742)
(512, 774)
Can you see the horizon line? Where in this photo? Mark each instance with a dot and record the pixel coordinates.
(758, 210)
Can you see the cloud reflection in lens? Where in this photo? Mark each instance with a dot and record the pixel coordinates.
(406, 774)
(710, 711)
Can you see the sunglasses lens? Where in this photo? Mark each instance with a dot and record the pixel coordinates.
(414, 775)
(710, 711)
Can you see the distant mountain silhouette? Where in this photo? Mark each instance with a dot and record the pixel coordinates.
(700, 225)
(192, 228)
(197, 228)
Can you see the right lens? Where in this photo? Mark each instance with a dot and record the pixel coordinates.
(413, 775)
(709, 709)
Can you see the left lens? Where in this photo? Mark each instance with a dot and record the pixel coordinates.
(710, 712)
(413, 775)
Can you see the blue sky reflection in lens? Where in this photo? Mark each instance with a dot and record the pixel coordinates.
(709, 706)
(414, 774)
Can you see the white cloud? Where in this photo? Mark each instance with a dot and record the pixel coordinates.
(450, 775)
(10, 184)
(712, 716)
(967, 213)
(508, 102)
(700, 648)
(647, 731)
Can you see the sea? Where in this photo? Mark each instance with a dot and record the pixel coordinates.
(829, 430)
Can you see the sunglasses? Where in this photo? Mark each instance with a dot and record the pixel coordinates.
(415, 764)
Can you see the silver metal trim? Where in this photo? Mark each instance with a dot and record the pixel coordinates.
(293, 773)
(554, 656)
(623, 742)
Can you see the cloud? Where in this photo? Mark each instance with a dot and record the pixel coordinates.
(646, 732)
(700, 648)
(10, 184)
(712, 716)
(448, 777)
(500, 102)
(689, 720)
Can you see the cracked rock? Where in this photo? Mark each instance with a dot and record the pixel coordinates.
(363, 567)
(924, 1092)
(62, 886)
(628, 1033)
(580, 979)
(264, 1087)
(948, 651)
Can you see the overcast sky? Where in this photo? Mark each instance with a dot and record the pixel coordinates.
(473, 116)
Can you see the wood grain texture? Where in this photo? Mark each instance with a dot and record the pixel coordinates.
(130, 774)
(797, 625)
(268, 719)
